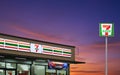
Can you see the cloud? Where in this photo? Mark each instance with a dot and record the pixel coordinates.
(42, 36)
(97, 50)
(98, 46)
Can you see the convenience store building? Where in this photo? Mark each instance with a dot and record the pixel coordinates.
(23, 56)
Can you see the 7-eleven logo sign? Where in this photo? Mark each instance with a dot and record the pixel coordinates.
(106, 29)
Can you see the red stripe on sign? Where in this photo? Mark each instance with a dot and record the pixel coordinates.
(10, 47)
(1, 40)
(24, 49)
(108, 27)
(66, 54)
(58, 53)
(1, 46)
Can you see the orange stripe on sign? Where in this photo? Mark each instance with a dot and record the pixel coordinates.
(45, 46)
(11, 41)
(1, 46)
(11, 47)
(104, 26)
(24, 43)
(1, 40)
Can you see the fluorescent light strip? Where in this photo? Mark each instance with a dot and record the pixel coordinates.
(20, 58)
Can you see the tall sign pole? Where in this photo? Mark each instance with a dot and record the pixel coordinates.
(106, 30)
(106, 56)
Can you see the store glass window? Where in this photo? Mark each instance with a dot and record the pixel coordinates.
(2, 72)
(23, 69)
(10, 72)
(61, 72)
(39, 70)
(11, 65)
(50, 71)
(2, 64)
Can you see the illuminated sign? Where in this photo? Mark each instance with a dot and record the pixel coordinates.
(35, 48)
(106, 29)
(57, 65)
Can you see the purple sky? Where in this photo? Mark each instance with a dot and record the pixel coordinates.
(72, 22)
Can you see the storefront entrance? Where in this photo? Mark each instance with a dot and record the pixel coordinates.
(2, 72)
(28, 67)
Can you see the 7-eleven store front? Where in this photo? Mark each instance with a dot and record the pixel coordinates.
(22, 56)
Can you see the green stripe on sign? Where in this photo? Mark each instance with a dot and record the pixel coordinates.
(67, 52)
(23, 46)
(47, 49)
(57, 51)
(1, 42)
(10, 44)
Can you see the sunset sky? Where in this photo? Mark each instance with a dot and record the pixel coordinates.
(71, 22)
